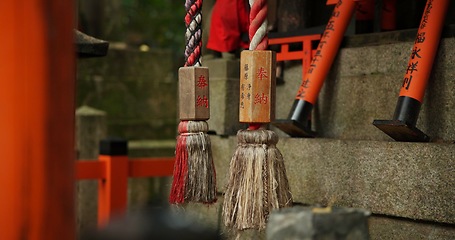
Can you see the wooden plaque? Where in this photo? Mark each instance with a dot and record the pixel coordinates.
(194, 93)
(257, 86)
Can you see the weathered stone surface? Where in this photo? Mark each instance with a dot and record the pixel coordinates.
(90, 129)
(211, 216)
(142, 191)
(224, 96)
(400, 229)
(379, 227)
(364, 85)
(138, 91)
(318, 223)
(207, 214)
(412, 180)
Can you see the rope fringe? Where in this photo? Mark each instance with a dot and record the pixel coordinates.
(194, 170)
(257, 181)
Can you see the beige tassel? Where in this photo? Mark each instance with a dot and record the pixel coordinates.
(257, 182)
(201, 184)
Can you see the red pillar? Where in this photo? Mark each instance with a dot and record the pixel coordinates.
(37, 120)
(113, 189)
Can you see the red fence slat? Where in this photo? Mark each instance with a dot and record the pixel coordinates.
(90, 170)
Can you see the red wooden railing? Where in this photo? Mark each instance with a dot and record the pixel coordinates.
(305, 54)
(113, 172)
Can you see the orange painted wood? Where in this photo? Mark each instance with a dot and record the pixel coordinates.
(37, 120)
(305, 54)
(424, 51)
(194, 93)
(326, 52)
(112, 191)
(90, 170)
(257, 86)
(151, 167)
(112, 173)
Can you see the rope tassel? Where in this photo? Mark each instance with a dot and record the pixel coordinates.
(194, 170)
(257, 181)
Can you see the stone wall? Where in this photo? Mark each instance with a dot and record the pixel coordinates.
(137, 90)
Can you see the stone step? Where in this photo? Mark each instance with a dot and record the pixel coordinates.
(380, 227)
(409, 180)
(363, 85)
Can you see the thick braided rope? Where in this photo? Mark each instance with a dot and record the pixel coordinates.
(193, 22)
(258, 25)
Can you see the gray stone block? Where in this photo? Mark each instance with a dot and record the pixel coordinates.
(393, 58)
(364, 84)
(402, 229)
(302, 223)
(90, 129)
(224, 96)
(210, 216)
(411, 180)
(445, 57)
(357, 61)
(138, 91)
(141, 191)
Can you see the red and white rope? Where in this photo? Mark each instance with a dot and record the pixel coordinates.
(193, 34)
(258, 25)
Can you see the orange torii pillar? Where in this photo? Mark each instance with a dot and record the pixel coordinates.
(37, 120)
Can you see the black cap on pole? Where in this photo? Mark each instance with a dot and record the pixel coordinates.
(298, 123)
(402, 126)
(114, 147)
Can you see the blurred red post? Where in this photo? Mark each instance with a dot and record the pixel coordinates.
(113, 189)
(37, 72)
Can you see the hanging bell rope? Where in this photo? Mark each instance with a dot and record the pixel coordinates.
(257, 181)
(193, 34)
(194, 171)
(258, 25)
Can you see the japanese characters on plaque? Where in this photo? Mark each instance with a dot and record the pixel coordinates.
(202, 98)
(194, 93)
(329, 29)
(256, 86)
(413, 64)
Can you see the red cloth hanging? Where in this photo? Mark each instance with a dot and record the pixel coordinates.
(230, 18)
